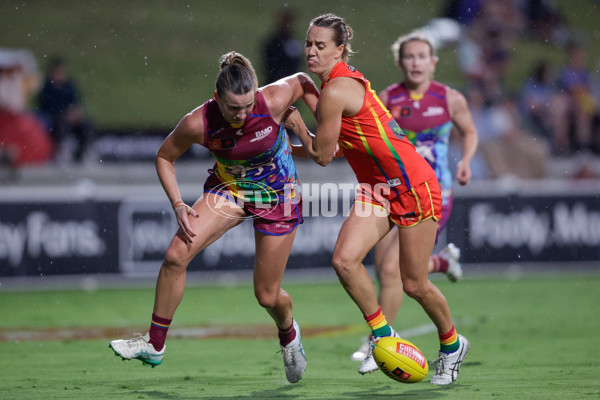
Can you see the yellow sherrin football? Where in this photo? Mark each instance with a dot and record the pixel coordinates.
(400, 359)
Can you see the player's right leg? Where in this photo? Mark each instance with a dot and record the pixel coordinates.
(272, 253)
(210, 225)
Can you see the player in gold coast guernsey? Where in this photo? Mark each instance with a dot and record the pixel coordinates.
(397, 187)
(253, 178)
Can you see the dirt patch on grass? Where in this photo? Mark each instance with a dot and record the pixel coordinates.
(199, 332)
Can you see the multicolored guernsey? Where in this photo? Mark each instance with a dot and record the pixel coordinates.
(427, 123)
(254, 161)
(375, 146)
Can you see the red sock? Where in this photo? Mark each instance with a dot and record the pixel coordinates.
(158, 331)
(287, 335)
(440, 264)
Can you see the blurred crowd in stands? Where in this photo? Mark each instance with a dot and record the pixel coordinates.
(554, 115)
(42, 119)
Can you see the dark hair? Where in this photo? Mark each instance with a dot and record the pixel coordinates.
(236, 74)
(342, 32)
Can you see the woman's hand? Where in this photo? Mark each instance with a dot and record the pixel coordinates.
(182, 212)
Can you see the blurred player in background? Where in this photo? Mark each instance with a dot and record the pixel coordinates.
(396, 187)
(254, 177)
(426, 111)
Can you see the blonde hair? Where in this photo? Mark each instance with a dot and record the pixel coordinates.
(419, 36)
(236, 74)
(342, 32)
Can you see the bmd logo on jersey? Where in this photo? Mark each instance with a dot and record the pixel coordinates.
(433, 111)
(262, 134)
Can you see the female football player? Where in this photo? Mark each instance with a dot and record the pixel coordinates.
(254, 178)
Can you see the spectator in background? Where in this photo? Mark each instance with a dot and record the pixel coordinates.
(508, 149)
(596, 124)
(537, 100)
(545, 21)
(23, 139)
(282, 52)
(463, 11)
(60, 104)
(574, 125)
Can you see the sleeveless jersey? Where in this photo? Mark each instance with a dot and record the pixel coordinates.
(375, 146)
(254, 161)
(427, 124)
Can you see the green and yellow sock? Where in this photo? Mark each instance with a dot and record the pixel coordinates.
(378, 324)
(449, 341)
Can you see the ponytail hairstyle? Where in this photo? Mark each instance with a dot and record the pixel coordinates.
(342, 33)
(236, 74)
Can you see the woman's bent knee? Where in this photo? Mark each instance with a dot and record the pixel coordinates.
(174, 261)
(342, 264)
(414, 289)
(266, 300)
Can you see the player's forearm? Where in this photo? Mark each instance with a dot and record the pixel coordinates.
(310, 94)
(166, 174)
(470, 143)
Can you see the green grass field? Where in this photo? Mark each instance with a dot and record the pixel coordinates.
(532, 338)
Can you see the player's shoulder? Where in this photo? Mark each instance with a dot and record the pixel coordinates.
(193, 122)
(455, 99)
(439, 87)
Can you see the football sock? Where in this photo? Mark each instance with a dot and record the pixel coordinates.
(378, 324)
(286, 335)
(158, 331)
(449, 341)
(440, 264)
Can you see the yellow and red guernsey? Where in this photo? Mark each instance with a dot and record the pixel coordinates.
(376, 148)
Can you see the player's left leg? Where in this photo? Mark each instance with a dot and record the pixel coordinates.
(416, 244)
(272, 253)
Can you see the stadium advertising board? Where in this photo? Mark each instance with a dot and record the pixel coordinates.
(523, 228)
(130, 235)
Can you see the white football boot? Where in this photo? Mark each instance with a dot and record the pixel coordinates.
(369, 365)
(138, 348)
(363, 350)
(448, 365)
(294, 359)
(451, 253)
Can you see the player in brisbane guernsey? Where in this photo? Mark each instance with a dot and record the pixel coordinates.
(397, 187)
(426, 111)
(254, 178)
